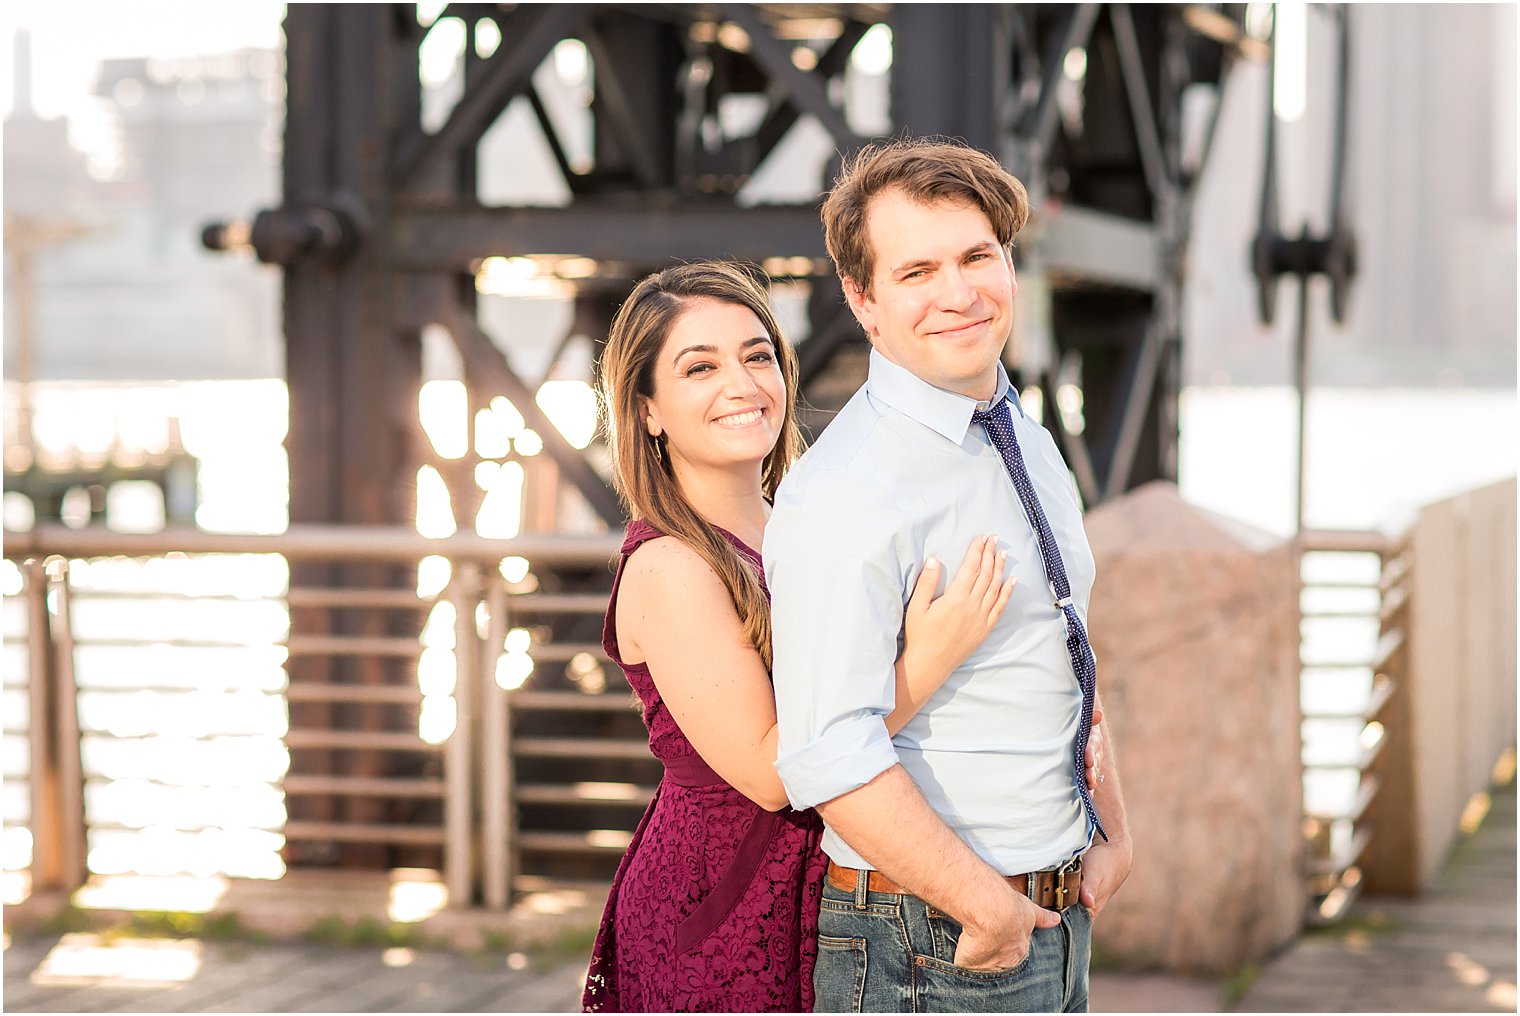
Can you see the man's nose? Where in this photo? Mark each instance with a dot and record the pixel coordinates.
(955, 293)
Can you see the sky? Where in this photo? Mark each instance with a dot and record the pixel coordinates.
(69, 40)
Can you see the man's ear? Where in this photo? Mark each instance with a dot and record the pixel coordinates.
(860, 306)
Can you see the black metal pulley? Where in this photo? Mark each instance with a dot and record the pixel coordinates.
(1332, 254)
(329, 230)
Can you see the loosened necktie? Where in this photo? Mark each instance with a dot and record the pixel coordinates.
(999, 424)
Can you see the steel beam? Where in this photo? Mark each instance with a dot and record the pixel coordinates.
(488, 368)
(504, 76)
(1080, 246)
(352, 375)
(973, 39)
(381, 229)
(805, 89)
(645, 232)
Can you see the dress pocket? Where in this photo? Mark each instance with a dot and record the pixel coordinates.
(715, 907)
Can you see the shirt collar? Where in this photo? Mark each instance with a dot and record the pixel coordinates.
(945, 413)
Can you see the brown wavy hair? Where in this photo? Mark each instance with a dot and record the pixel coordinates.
(641, 466)
(926, 170)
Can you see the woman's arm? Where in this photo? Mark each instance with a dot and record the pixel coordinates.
(675, 613)
(941, 632)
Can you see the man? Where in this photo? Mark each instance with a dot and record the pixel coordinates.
(967, 856)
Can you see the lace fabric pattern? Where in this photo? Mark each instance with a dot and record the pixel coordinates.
(714, 907)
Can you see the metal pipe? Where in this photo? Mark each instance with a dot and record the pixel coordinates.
(1301, 384)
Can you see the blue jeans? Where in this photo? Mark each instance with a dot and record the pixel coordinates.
(881, 952)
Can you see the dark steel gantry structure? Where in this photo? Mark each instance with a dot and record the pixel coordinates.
(1105, 111)
(381, 229)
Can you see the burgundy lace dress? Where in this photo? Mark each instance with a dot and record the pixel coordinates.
(714, 907)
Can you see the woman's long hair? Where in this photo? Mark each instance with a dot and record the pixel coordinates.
(641, 465)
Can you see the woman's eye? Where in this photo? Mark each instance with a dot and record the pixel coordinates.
(763, 358)
(698, 368)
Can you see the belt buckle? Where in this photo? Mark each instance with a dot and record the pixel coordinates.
(1075, 864)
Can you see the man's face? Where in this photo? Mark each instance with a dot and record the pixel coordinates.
(941, 303)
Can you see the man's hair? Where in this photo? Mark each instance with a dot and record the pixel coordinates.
(926, 170)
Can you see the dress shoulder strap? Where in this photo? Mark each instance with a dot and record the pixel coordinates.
(638, 533)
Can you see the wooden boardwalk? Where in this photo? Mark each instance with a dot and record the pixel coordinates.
(300, 978)
(1453, 950)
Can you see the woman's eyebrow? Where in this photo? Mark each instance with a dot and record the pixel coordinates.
(694, 349)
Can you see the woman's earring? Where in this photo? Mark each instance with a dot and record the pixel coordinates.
(658, 440)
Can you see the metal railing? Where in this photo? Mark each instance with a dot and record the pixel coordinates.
(1358, 687)
(465, 801)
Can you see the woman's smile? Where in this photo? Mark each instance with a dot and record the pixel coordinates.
(741, 419)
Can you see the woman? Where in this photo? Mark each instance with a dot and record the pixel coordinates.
(715, 904)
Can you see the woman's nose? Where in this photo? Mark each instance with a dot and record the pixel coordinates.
(741, 382)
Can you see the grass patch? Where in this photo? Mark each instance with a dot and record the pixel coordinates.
(111, 926)
(1363, 922)
(220, 927)
(494, 945)
(568, 944)
(66, 919)
(1233, 989)
(494, 941)
(369, 931)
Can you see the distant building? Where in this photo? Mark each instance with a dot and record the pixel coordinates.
(133, 295)
(1430, 190)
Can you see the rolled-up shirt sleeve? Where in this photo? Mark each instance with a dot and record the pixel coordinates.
(836, 582)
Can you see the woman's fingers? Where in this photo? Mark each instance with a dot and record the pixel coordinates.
(989, 571)
(971, 565)
(923, 589)
(996, 610)
(1095, 745)
(994, 581)
(978, 584)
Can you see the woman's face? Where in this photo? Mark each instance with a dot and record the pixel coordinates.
(718, 392)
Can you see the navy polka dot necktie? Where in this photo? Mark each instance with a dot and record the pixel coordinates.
(999, 423)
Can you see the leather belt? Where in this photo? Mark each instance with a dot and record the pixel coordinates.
(1053, 890)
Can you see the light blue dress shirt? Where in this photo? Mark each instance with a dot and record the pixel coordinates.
(899, 475)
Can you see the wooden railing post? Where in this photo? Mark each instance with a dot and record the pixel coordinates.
(498, 809)
(464, 819)
(57, 788)
(459, 761)
(1391, 866)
